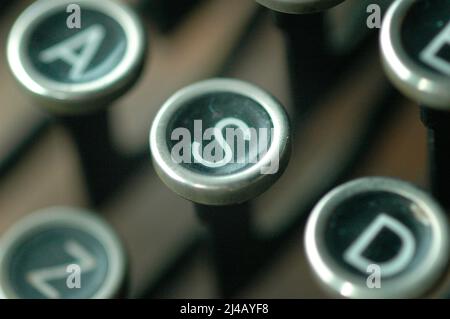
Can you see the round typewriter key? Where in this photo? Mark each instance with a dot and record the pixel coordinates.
(220, 143)
(415, 40)
(77, 60)
(414, 46)
(377, 238)
(61, 253)
(312, 66)
(74, 60)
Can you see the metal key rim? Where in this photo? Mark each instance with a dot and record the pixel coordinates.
(415, 81)
(299, 6)
(75, 218)
(62, 97)
(346, 284)
(220, 190)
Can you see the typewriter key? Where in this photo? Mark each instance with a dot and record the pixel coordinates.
(76, 68)
(220, 143)
(62, 253)
(312, 66)
(377, 238)
(415, 39)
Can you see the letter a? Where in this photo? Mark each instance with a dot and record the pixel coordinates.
(354, 254)
(86, 43)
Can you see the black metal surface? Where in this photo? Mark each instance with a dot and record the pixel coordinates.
(312, 68)
(23, 147)
(232, 243)
(105, 169)
(168, 14)
(438, 124)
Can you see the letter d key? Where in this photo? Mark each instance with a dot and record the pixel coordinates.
(377, 238)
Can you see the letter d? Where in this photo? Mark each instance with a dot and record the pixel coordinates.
(354, 254)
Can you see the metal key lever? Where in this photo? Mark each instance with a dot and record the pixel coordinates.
(104, 168)
(437, 123)
(312, 67)
(168, 13)
(232, 243)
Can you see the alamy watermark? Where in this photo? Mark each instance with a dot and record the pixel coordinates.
(73, 280)
(373, 280)
(375, 16)
(74, 19)
(212, 148)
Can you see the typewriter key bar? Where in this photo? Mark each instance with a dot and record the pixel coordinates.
(378, 238)
(311, 65)
(414, 48)
(167, 14)
(62, 253)
(76, 73)
(220, 143)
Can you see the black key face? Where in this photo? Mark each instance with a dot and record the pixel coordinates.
(227, 133)
(425, 34)
(77, 55)
(39, 265)
(378, 228)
